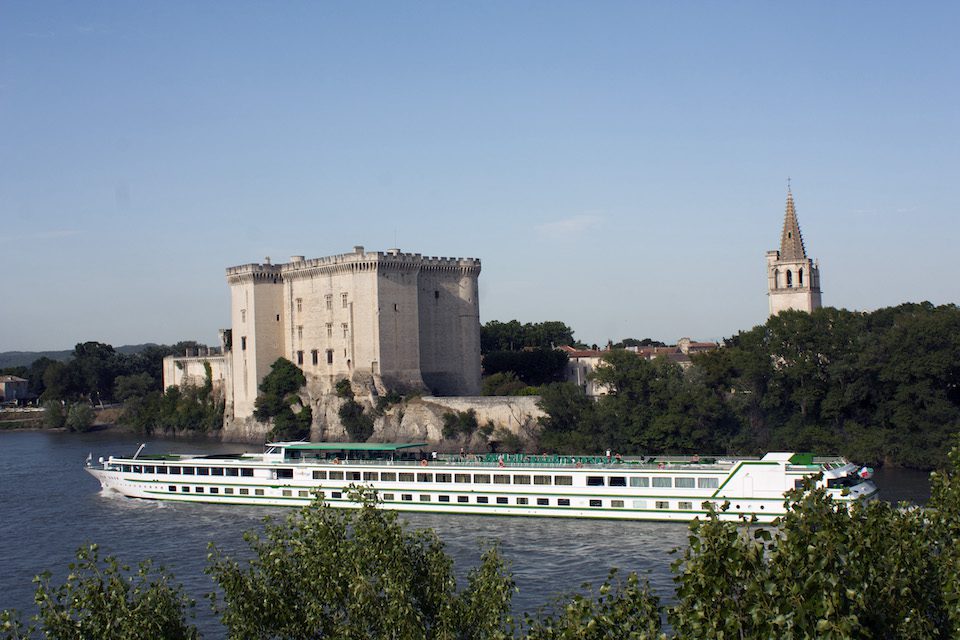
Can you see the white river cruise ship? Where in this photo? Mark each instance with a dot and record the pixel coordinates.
(408, 478)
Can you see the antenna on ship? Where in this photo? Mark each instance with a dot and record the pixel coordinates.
(139, 450)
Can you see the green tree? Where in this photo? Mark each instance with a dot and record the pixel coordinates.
(80, 417)
(278, 399)
(335, 573)
(534, 367)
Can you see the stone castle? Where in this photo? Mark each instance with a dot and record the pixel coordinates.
(793, 279)
(385, 320)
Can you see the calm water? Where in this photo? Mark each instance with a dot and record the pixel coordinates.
(50, 506)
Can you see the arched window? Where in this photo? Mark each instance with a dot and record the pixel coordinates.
(800, 278)
(776, 278)
(789, 278)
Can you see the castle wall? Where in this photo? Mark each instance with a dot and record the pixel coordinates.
(179, 371)
(801, 294)
(450, 328)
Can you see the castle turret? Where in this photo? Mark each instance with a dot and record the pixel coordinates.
(793, 279)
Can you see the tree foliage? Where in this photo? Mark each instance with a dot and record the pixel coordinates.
(534, 367)
(279, 401)
(514, 336)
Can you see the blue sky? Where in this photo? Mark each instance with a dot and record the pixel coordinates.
(618, 166)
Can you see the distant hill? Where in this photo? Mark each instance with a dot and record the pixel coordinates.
(26, 358)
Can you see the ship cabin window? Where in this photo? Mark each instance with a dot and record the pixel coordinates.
(175, 470)
(406, 496)
(563, 480)
(443, 477)
(424, 497)
(443, 498)
(171, 487)
(199, 489)
(336, 475)
(501, 500)
(230, 471)
(522, 501)
(127, 468)
(501, 478)
(461, 477)
(543, 502)
(336, 494)
(244, 492)
(542, 479)
(424, 477)
(319, 475)
(616, 504)
(798, 484)
(184, 489)
(563, 502)
(708, 483)
(388, 476)
(662, 482)
(388, 496)
(406, 477)
(214, 490)
(596, 503)
(639, 482)
(303, 494)
(482, 499)
(137, 468)
(639, 504)
(203, 471)
(594, 481)
(258, 492)
(481, 478)
(189, 471)
(246, 473)
(148, 469)
(684, 483)
(352, 475)
(662, 504)
(521, 479)
(162, 470)
(216, 471)
(618, 481)
(284, 474)
(228, 490)
(463, 499)
(684, 505)
(370, 476)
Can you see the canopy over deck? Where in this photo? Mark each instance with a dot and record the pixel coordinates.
(347, 446)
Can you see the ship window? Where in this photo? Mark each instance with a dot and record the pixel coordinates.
(443, 498)
(618, 481)
(685, 505)
(127, 468)
(162, 470)
(594, 481)
(388, 496)
(258, 492)
(137, 468)
(148, 469)
(319, 475)
(184, 489)
(189, 471)
(461, 477)
(501, 478)
(228, 490)
(663, 504)
(388, 476)
(463, 499)
(336, 475)
(353, 475)
(543, 502)
(287, 493)
(216, 471)
(232, 472)
(244, 492)
(707, 483)
(336, 495)
(563, 502)
(481, 478)
(482, 499)
(596, 503)
(171, 487)
(522, 501)
(684, 483)
(175, 470)
(616, 504)
(199, 489)
(501, 500)
(639, 482)
(424, 477)
(406, 477)
(214, 490)
(662, 482)
(370, 476)
(798, 484)
(541, 479)
(246, 473)
(303, 494)
(639, 504)
(203, 471)
(424, 497)
(443, 477)
(563, 480)
(521, 479)
(406, 496)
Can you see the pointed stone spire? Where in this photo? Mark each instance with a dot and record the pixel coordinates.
(791, 242)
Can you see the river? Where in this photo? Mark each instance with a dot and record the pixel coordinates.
(51, 506)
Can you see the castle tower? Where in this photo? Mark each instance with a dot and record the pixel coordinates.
(793, 279)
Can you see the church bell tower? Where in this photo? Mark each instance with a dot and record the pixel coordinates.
(793, 279)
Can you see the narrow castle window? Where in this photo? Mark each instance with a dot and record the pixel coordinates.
(300, 357)
(329, 329)
(243, 315)
(300, 332)
(343, 300)
(315, 355)
(436, 294)
(789, 278)
(243, 343)
(328, 301)
(776, 278)
(299, 304)
(329, 356)
(800, 277)
(346, 329)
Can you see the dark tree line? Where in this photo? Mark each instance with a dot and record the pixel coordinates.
(514, 336)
